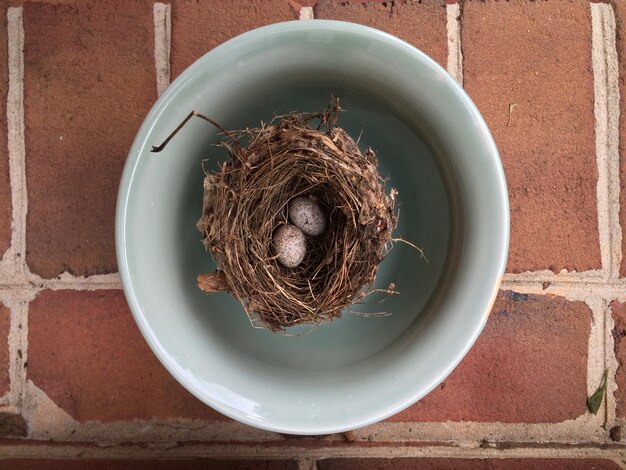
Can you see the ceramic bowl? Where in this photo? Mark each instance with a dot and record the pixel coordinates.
(434, 147)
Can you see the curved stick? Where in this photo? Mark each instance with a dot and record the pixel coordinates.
(158, 148)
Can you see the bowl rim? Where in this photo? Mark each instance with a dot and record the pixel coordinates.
(500, 251)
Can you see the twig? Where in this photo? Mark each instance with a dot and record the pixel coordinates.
(158, 148)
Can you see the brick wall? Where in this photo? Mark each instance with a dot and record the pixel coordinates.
(77, 379)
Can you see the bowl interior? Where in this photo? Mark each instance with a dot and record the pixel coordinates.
(354, 370)
(425, 221)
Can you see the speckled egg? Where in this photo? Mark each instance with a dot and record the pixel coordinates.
(290, 245)
(307, 215)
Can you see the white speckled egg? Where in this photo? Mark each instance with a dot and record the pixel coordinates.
(290, 245)
(307, 215)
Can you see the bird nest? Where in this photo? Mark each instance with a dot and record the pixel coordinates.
(248, 199)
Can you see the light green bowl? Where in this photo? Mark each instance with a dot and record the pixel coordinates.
(434, 147)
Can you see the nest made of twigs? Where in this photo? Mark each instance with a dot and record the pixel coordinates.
(247, 199)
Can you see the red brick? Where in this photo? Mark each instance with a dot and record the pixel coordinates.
(197, 29)
(302, 3)
(466, 464)
(620, 21)
(86, 352)
(537, 54)
(5, 189)
(345, 2)
(5, 320)
(618, 309)
(191, 464)
(514, 372)
(19, 3)
(423, 25)
(89, 81)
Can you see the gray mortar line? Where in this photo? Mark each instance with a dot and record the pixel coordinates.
(65, 281)
(546, 275)
(584, 429)
(16, 301)
(580, 288)
(14, 258)
(455, 54)
(18, 340)
(598, 359)
(230, 451)
(582, 291)
(162, 17)
(612, 364)
(606, 111)
(47, 421)
(306, 13)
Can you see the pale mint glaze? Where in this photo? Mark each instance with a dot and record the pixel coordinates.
(434, 147)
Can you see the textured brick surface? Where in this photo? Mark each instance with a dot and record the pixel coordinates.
(5, 192)
(346, 2)
(466, 464)
(197, 29)
(422, 25)
(297, 4)
(89, 81)
(86, 353)
(618, 310)
(19, 3)
(192, 464)
(514, 372)
(522, 52)
(4, 349)
(620, 22)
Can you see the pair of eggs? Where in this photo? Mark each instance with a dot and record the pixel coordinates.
(307, 218)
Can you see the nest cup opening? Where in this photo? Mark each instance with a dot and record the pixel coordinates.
(298, 157)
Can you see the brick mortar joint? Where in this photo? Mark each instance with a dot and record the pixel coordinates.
(606, 112)
(455, 48)
(584, 429)
(305, 454)
(14, 260)
(162, 19)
